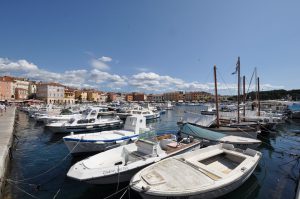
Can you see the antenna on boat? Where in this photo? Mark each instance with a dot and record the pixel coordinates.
(216, 95)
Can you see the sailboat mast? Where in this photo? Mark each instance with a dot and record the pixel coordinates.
(255, 73)
(238, 97)
(258, 97)
(216, 95)
(244, 97)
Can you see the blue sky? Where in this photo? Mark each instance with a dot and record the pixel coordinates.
(153, 45)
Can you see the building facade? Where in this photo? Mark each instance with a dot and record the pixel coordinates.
(173, 96)
(6, 88)
(129, 98)
(80, 95)
(93, 96)
(21, 94)
(139, 97)
(69, 97)
(51, 93)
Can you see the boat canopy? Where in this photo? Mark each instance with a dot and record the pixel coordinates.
(199, 132)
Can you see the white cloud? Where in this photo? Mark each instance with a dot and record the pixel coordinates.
(142, 69)
(97, 78)
(105, 59)
(7, 65)
(101, 63)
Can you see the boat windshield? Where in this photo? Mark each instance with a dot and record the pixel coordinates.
(149, 136)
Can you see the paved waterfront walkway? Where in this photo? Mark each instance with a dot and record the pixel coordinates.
(7, 121)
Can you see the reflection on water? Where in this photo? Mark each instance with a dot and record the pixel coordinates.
(38, 151)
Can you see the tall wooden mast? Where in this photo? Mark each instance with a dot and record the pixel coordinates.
(244, 97)
(238, 97)
(258, 97)
(216, 95)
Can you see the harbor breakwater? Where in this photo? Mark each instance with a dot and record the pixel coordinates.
(7, 121)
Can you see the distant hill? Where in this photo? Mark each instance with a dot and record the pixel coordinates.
(275, 94)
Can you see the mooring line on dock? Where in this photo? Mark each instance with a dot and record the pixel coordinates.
(22, 190)
(117, 192)
(51, 168)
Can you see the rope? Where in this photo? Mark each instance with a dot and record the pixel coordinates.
(56, 194)
(51, 168)
(123, 193)
(116, 192)
(118, 178)
(22, 190)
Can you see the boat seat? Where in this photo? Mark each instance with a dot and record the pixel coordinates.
(215, 170)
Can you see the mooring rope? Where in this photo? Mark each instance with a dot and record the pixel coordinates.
(51, 168)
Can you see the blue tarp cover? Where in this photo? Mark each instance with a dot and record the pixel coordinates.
(199, 132)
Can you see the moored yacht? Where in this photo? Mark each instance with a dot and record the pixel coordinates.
(90, 120)
(101, 141)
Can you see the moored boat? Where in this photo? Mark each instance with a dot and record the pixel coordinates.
(121, 163)
(205, 173)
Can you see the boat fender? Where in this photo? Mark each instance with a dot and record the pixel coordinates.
(119, 141)
(144, 189)
(72, 133)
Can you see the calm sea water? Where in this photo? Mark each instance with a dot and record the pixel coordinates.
(39, 164)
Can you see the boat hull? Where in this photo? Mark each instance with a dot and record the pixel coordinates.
(126, 175)
(68, 129)
(219, 191)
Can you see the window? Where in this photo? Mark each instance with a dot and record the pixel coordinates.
(93, 113)
(83, 121)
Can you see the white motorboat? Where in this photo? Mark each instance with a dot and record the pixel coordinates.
(101, 141)
(147, 113)
(205, 173)
(121, 163)
(91, 120)
(46, 118)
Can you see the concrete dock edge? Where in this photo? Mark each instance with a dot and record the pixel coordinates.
(7, 121)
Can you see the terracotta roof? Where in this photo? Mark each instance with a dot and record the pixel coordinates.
(52, 84)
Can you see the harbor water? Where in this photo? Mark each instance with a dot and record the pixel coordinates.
(40, 161)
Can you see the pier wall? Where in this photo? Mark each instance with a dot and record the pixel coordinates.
(7, 121)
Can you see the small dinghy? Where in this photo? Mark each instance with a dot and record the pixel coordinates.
(101, 141)
(205, 173)
(121, 163)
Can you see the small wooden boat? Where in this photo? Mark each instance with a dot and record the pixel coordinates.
(204, 173)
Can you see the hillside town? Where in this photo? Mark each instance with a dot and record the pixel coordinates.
(16, 89)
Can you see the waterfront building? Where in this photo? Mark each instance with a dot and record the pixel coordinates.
(69, 97)
(32, 89)
(53, 93)
(173, 96)
(129, 98)
(21, 94)
(139, 97)
(6, 89)
(120, 97)
(103, 98)
(80, 95)
(93, 96)
(197, 96)
(112, 97)
(157, 97)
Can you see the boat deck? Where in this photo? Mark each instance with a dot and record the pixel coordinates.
(181, 146)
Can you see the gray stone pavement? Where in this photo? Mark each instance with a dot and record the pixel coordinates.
(7, 121)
